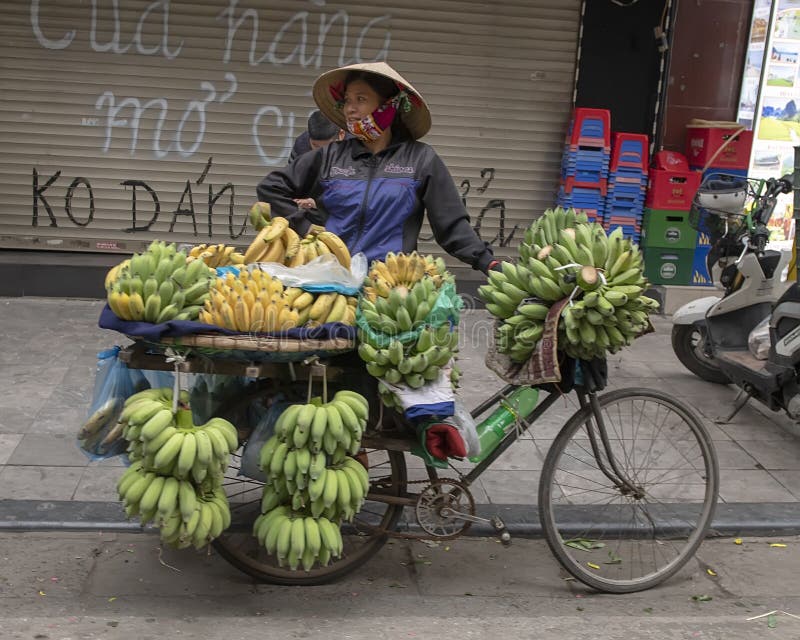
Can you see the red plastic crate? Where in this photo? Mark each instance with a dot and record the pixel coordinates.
(672, 189)
(702, 143)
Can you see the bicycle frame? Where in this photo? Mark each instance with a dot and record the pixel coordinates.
(615, 474)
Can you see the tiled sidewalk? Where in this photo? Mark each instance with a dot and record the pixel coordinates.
(47, 362)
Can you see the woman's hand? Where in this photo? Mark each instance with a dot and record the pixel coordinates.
(305, 203)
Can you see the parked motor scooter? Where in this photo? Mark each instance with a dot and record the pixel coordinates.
(749, 277)
(750, 283)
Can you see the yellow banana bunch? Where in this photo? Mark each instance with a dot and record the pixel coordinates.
(316, 244)
(402, 271)
(215, 255)
(272, 243)
(254, 301)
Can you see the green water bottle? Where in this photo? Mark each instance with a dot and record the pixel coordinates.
(519, 404)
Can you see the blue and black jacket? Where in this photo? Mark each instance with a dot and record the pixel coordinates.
(375, 203)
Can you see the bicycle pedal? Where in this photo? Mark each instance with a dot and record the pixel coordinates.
(500, 527)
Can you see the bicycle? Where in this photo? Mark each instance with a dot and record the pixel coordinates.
(626, 495)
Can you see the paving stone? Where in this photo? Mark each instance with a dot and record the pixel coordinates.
(8, 442)
(39, 482)
(734, 455)
(774, 455)
(50, 367)
(48, 451)
(18, 420)
(511, 487)
(790, 480)
(98, 484)
(751, 486)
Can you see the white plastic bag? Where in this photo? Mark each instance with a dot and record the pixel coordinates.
(758, 340)
(431, 393)
(433, 396)
(466, 426)
(324, 273)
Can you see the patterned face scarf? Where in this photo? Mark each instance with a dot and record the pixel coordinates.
(372, 126)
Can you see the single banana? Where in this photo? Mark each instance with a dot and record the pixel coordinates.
(187, 454)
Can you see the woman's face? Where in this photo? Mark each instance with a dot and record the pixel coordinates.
(359, 100)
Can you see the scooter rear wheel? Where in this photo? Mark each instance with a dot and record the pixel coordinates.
(687, 343)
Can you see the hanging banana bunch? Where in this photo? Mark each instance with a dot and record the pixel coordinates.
(561, 256)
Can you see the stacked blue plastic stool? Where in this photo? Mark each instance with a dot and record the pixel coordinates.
(584, 165)
(627, 184)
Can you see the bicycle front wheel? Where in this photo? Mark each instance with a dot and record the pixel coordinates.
(628, 530)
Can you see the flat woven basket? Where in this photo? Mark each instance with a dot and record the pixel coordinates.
(254, 348)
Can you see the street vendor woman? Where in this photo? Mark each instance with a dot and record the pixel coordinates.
(373, 188)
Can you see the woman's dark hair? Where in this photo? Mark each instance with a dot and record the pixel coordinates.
(383, 86)
(386, 88)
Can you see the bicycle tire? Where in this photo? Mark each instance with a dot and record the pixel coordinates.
(362, 539)
(567, 515)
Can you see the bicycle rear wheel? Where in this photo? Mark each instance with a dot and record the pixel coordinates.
(362, 538)
(623, 538)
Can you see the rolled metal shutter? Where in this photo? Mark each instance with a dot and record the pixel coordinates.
(128, 120)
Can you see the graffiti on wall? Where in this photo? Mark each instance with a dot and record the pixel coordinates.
(309, 36)
(145, 207)
(163, 128)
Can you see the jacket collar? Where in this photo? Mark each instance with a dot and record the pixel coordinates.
(358, 150)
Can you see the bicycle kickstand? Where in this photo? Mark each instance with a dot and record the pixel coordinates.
(741, 399)
(497, 523)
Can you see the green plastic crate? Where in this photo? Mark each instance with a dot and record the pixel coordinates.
(668, 228)
(665, 265)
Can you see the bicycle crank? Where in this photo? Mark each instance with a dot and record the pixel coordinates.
(446, 509)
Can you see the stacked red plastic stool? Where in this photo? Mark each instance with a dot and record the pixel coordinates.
(627, 184)
(584, 165)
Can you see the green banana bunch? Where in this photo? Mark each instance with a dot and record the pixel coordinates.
(173, 445)
(402, 309)
(298, 540)
(563, 255)
(158, 285)
(414, 364)
(175, 476)
(312, 482)
(208, 518)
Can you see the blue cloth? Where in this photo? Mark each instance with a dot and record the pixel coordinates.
(427, 411)
(176, 328)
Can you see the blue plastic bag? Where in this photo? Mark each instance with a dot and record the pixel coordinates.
(264, 431)
(100, 436)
